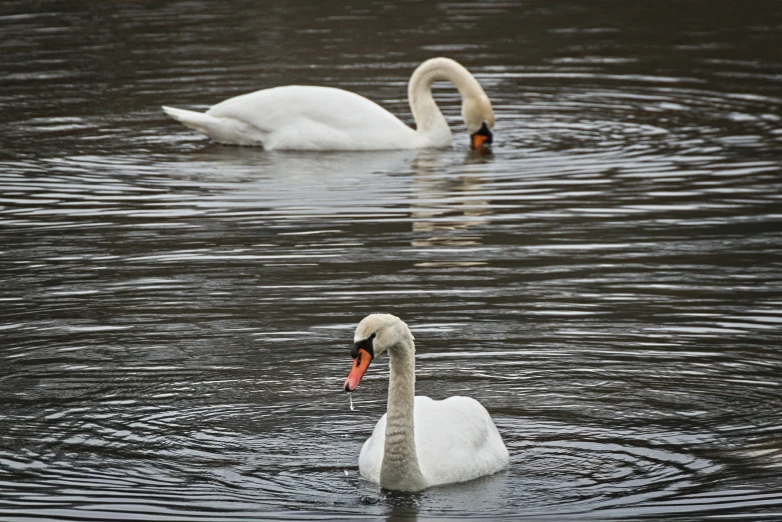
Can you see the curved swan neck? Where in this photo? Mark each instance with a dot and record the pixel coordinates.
(426, 113)
(400, 469)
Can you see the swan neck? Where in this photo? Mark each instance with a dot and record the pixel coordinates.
(400, 469)
(427, 115)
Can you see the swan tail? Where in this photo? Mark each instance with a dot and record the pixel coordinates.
(223, 129)
(195, 120)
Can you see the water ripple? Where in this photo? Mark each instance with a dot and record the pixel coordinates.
(177, 315)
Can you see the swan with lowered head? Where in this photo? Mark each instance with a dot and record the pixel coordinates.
(419, 442)
(299, 117)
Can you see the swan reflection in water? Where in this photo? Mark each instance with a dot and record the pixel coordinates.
(445, 208)
(249, 184)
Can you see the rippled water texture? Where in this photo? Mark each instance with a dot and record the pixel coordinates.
(176, 316)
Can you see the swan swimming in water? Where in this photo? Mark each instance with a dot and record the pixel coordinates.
(419, 442)
(298, 117)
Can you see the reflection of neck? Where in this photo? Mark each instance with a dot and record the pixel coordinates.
(400, 470)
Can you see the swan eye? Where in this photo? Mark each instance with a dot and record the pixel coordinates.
(366, 344)
(485, 131)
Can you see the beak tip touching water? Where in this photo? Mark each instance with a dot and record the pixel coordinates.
(482, 138)
(478, 142)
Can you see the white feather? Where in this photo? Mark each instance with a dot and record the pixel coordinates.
(422, 442)
(455, 438)
(298, 117)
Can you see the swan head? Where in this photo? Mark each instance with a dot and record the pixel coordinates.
(375, 334)
(478, 117)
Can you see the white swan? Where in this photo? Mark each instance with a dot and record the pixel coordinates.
(299, 117)
(419, 442)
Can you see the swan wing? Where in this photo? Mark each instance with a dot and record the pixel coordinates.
(316, 118)
(456, 440)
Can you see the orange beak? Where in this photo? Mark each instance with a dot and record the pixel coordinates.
(478, 140)
(360, 365)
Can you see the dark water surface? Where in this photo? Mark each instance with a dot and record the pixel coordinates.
(176, 316)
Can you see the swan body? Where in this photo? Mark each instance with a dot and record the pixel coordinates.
(455, 440)
(300, 117)
(420, 442)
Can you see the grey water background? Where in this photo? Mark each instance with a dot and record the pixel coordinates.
(176, 316)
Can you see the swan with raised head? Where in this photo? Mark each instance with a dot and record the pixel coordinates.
(419, 442)
(300, 117)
